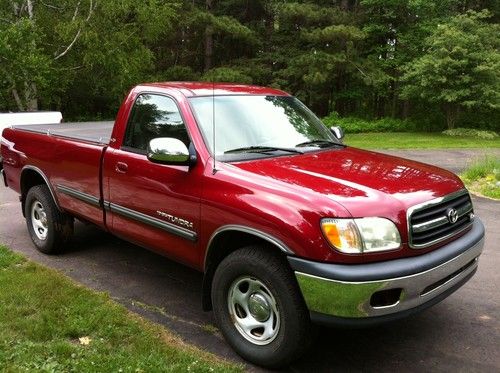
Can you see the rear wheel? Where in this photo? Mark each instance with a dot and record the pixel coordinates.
(258, 307)
(49, 228)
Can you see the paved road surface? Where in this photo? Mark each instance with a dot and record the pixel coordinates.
(461, 333)
(455, 160)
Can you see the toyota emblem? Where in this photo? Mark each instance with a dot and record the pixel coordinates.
(452, 215)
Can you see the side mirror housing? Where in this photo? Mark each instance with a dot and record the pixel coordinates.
(338, 132)
(168, 150)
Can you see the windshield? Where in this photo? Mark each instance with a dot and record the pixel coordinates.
(260, 124)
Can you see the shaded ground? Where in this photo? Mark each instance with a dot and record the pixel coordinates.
(460, 334)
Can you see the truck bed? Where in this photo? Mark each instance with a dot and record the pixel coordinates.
(96, 132)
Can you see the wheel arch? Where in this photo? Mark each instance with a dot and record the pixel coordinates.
(218, 248)
(31, 176)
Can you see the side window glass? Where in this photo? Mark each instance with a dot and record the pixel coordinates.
(154, 116)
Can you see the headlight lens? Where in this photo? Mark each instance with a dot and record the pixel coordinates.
(378, 234)
(343, 235)
(363, 235)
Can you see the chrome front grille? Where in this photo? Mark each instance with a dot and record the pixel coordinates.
(437, 220)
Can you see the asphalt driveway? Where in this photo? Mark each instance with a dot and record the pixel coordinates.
(461, 333)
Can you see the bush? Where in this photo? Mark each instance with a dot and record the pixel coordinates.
(480, 118)
(488, 166)
(358, 125)
(470, 132)
(483, 177)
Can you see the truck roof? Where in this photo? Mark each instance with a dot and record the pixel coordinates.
(190, 89)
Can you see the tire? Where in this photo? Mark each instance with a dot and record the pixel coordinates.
(49, 228)
(256, 287)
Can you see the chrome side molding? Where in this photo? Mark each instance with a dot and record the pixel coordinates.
(84, 197)
(149, 220)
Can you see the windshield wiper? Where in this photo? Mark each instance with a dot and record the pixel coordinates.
(319, 143)
(261, 149)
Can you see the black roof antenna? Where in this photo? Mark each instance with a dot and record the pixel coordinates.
(214, 169)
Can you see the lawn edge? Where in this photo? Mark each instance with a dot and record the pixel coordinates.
(170, 338)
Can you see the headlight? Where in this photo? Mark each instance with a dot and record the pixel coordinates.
(363, 235)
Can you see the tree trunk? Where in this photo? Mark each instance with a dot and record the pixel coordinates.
(405, 112)
(269, 25)
(340, 103)
(28, 101)
(380, 107)
(209, 39)
(31, 94)
(452, 112)
(18, 100)
(394, 99)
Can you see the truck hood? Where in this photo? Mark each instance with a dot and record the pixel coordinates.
(366, 183)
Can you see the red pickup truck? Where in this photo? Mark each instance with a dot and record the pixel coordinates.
(244, 183)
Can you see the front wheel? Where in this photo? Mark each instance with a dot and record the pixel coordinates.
(49, 228)
(258, 307)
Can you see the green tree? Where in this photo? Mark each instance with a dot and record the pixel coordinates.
(24, 67)
(367, 58)
(460, 67)
(117, 50)
(95, 50)
(28, 55)
(318, 55)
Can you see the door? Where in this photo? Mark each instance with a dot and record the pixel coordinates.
(151, 204)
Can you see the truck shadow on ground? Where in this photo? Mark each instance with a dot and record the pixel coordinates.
(170, 294)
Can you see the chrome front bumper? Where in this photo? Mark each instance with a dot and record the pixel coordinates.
(362, 291)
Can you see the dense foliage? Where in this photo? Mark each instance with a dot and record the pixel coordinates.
(424, 64)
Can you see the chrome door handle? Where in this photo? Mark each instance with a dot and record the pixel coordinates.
(121, 167)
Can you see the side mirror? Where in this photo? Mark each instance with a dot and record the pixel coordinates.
(168, 150)
(338, 132)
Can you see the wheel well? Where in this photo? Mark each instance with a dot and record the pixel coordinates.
(29, 178)
(220, 247)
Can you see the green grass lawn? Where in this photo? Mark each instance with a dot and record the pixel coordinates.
(410, 140)
(49, 323)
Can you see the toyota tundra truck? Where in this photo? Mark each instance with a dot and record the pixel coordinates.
(244, 183)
